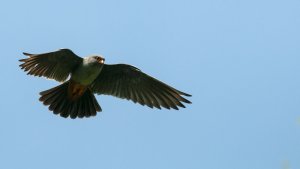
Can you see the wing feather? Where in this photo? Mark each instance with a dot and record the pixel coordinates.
(55, 65)
(128, 82)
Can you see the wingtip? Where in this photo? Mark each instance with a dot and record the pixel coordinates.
(21, 60)
(185, 100)
(188, 95)
(185, 94)
(27, 54)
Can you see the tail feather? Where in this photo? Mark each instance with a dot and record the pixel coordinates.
(49, 96)
(58, 101)
(91, 106)
(80, 112)
(96, 105)
(62, 105)
(86, 107)
(73, 111)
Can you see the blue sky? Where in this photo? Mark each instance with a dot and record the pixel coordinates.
(239, 60)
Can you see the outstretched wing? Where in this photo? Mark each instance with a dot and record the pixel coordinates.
(128, 82)
(55, 65)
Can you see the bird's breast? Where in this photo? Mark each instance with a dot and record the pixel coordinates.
(86, 73)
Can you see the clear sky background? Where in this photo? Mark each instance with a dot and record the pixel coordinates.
(239, 59)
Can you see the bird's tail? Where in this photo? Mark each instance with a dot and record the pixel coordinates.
(59, 102)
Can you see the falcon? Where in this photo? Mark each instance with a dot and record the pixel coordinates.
(88, 76)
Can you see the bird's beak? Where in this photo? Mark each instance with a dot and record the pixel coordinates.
(102, 61)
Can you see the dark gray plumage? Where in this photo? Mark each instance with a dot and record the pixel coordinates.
(74, 98)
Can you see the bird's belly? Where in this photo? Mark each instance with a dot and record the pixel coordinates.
(86, 75)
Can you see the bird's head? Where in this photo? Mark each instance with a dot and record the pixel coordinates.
(100, 59)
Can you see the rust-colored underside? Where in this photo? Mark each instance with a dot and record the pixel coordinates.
(75, 90)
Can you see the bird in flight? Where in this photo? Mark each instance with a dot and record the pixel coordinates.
(75, 96)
